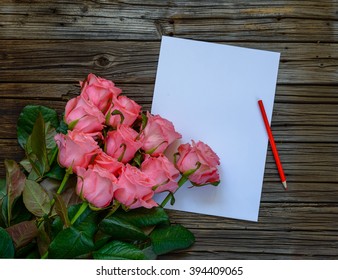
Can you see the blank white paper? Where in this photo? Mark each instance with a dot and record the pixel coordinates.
(209, 92)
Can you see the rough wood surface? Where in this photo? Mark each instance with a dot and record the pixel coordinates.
(46, 48)
(135, 62)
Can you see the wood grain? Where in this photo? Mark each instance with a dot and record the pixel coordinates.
(47, 47)
(125, 20)
(136, 62)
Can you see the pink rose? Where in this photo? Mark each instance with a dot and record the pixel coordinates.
(81, 115)
(135, 188)
(107, 162)
(159, 133)
(96, 185)
(123, 143)
(99, 91)
(162, 172)
(127, 107)
(201, 157)
(76, 149)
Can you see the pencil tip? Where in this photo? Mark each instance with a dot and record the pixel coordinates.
(285, 185)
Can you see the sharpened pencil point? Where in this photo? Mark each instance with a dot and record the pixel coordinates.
(285, 185)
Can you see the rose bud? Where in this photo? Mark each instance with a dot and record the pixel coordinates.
(199, 163)
(83, 116)
(162, 172)
(135, 188)
(76, 149)
(123, 111)
(123, 143)
(99, 92)
(159, 133)
(96, 185)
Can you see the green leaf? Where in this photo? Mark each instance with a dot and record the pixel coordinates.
(25, 163)
(33, 254)
(15, 183)
(15, 180)
(43, 239)
(143, 217)
(61, 210)
(34, 176)
(63, 127)
(70, 197)
(50, 186)
(56, 172)
(3, 193)
(51, 146)
(121, 229)
(27, 120)
(23, 233)
(87, 222)
(56, 227)
(41, 149)
(4, 212)
(27, 251)
(118, 250)
(70, 243)
(6, 245)
(170, 238)
(149, 253)
(144, 121)
(36, 148)
(20, 212)
(101, 239)
(36, 199)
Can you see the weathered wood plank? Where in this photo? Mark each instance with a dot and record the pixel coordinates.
(306, 114)
(287, 217)
(304, 133)
(296, 231)
(306, 192)
(306, 94)
(280, 21)
(136, 62)
(249, 29)
(141, 93)
(305, 162)
(281, 245)
(230, 255)
(155, 9)
(319, 243)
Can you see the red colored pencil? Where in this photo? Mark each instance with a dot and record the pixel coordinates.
(273, 144)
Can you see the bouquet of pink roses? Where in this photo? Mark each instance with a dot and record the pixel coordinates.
(86, 187)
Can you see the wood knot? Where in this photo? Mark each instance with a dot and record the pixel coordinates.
(102, 61)
(3, 55)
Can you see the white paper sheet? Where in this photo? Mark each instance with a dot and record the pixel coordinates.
(210, 92)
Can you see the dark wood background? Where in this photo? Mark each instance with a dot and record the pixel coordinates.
(46, 47)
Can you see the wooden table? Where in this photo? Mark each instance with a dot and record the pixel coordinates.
(48, 46)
